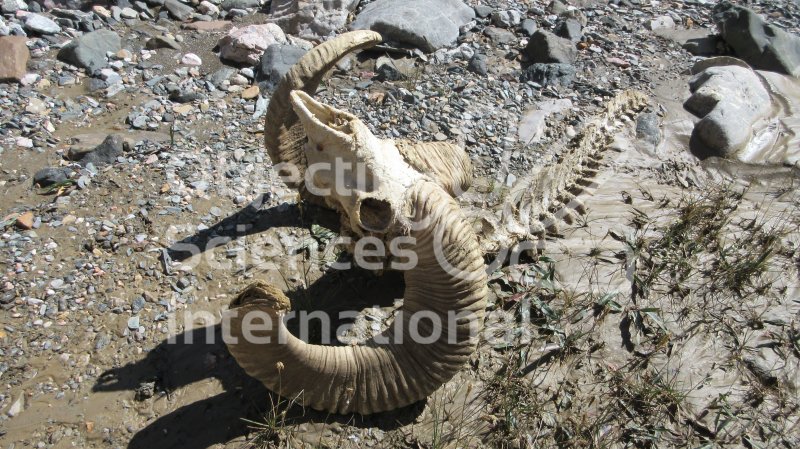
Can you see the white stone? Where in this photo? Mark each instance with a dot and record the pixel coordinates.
(29, 78)
(16, 407)
(24, 142)
(129, 13)
(661, 23)
(191, 59)
(208, 8)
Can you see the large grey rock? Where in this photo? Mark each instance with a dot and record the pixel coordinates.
(479, 64)
(528, 27)
(218, 77)
(546, 47)
(276, 61)
(50, 175)
(499, 35)
(40, 24)
(12, 6)
(106, 153)
(426, 24)
(549, 74)
(178, 10)
(506, 19)
(762, 45)
(569, 29)
(89, 51)
(729, 100)
(483, 11)
(312, 18)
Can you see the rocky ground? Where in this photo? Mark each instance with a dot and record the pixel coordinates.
(136, 189)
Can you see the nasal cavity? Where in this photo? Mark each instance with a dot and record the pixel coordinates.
(376, 215)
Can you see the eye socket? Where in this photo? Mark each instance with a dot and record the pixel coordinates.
(376, 215)
(320, 147)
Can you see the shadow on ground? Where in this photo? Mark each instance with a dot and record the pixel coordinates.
(251, 220)
(200, 354)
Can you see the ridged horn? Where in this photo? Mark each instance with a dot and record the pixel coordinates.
(448, 285)
(283, 135)
(448, 164)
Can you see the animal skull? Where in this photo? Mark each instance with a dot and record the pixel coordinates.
(357, 173)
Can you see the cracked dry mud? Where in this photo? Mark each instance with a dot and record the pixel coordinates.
(667, 315)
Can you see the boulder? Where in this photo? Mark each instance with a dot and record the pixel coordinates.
(220, 76)
(40, 24)
(762, 45)
(426, 24)
(14, 57)
(555, 74)
(247, 44)
(89, 51)
(483, 11)
(178, 10)
(12, 6)
(106, 153)
(478, 64)
(528, 27)
(208, 8)
(276, 61)
(569, 29)
(546, 47)
(729, 100)
(506, 19)
(499, 35)
(312, 18)
(49, 176)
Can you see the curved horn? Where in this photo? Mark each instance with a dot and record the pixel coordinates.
(283, 136)
(444, 299)
(445, 162)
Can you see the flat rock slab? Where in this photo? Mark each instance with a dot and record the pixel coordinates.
(426, 24)
(89, 51)
(14, 56)
(40, 24)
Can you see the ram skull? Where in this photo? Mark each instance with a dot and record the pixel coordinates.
(392, 189)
